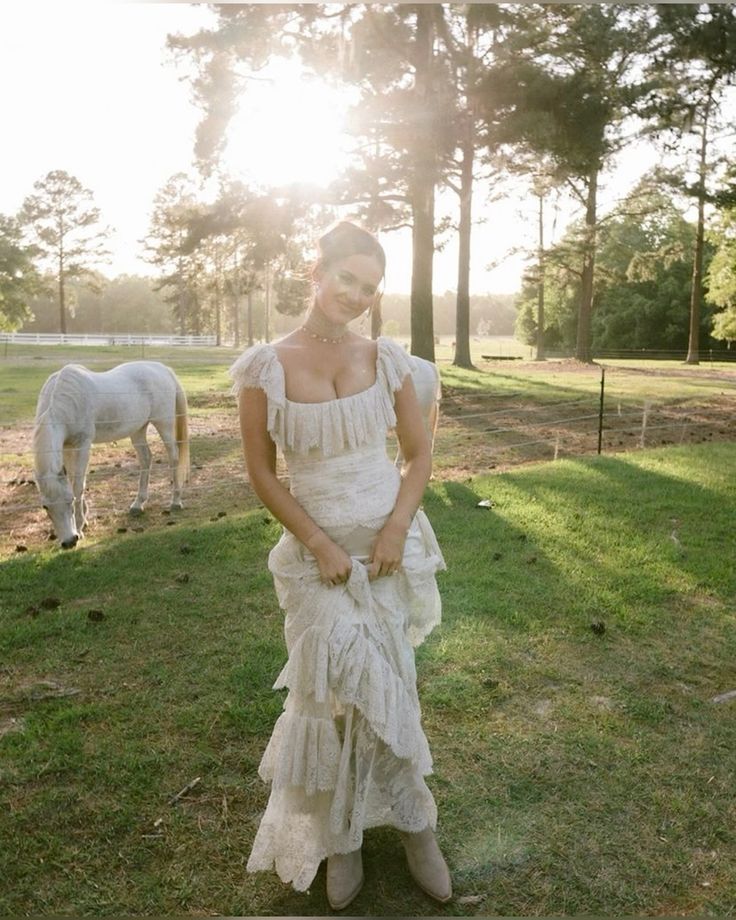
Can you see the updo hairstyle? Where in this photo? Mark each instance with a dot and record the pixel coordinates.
(346, 239)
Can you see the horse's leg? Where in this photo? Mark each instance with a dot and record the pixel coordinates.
(172, 451)
(76, 460)
(144, 459)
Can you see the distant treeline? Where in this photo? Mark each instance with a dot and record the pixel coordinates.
(131, 303)
(490, 314)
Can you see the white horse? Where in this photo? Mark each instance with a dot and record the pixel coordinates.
(426, 380)
(78, 407)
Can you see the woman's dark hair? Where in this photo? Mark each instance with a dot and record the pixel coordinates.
(346, 239)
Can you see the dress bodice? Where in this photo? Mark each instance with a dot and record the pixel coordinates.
(335, 450)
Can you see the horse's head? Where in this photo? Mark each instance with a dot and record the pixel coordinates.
(58, 500)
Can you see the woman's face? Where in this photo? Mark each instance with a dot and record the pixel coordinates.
(348, 287)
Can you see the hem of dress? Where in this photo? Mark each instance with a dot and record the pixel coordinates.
(370, 825)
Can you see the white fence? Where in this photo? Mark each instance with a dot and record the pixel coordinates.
(123, 338)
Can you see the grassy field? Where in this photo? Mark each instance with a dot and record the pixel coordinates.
(493, 418)
(581, 764)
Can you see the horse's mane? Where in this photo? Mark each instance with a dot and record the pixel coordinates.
(58, 404)
(47, 472)
(68, 393)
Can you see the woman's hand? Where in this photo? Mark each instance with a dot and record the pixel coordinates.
(388, 550)
(334, 563)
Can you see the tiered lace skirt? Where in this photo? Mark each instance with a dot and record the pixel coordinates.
(348, 751)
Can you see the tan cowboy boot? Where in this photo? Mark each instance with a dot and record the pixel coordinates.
(427, 865)
(344, 878)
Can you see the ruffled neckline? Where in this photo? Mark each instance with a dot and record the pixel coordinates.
(332, 425)
(333, 399)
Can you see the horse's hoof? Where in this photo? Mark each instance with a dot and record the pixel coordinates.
(176, 506)
(135, 511)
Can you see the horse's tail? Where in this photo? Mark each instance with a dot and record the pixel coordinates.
(182, 433)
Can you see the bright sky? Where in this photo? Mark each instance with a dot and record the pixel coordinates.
(90, 88)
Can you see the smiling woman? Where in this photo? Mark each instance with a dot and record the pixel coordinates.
(289, 128)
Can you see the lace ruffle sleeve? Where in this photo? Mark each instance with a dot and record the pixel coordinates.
(259, 368)
(393, 364)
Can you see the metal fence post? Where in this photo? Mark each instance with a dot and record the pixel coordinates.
(600, 409)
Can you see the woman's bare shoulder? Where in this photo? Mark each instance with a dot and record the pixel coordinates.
(290, 345)
(364, 345)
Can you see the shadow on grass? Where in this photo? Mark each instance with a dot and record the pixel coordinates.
(482, 549)
(553, 740)
(647, 527)
(500, 385)
(172, 681)
(137, 664)
(563, 758)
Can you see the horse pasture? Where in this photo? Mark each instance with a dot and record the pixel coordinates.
(577, 696)
(503, 415)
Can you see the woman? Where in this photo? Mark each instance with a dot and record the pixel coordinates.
(354, 573)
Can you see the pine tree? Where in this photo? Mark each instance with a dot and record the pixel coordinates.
(19, 280)
(695, 60)
(63, 223)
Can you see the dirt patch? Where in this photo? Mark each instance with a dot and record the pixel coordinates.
(217, 486)
(470, 441)
(572, 366)
(479, 432)
(482, 430)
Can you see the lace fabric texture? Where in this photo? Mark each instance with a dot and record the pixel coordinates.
(348, 751)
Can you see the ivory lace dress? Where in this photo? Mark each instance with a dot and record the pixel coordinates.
(348, 752)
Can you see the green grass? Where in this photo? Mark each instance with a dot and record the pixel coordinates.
(553, 382)
(575, 772)
(23, 369)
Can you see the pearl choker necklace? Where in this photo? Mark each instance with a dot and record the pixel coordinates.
(319, 327)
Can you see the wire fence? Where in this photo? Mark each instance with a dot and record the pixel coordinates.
(670, 414)
(706, 354)
(499, 436)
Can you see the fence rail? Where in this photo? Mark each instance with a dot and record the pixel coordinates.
(649, 354)
(117, 338)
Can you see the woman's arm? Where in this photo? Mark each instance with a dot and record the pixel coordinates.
(388, 550)
(260, 459)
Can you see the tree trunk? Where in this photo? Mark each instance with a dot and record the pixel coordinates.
(422, 321)
(218, 270)
(182, 305)
(376, 320)
(462, 308)
(237, 300)
(250, 318)
(696, 291)
(585, 313)
(183, 294)
(196, 318)
(422, 192)
(267, 310)
(540, 283)
(62, 296)
(218, 311)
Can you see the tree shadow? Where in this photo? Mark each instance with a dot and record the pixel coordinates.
(662, 523)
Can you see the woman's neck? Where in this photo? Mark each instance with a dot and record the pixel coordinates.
(319, 327)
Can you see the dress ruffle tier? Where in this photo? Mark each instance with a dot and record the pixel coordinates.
(348, 751)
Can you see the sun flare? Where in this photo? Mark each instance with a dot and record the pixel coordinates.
(288, 129)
